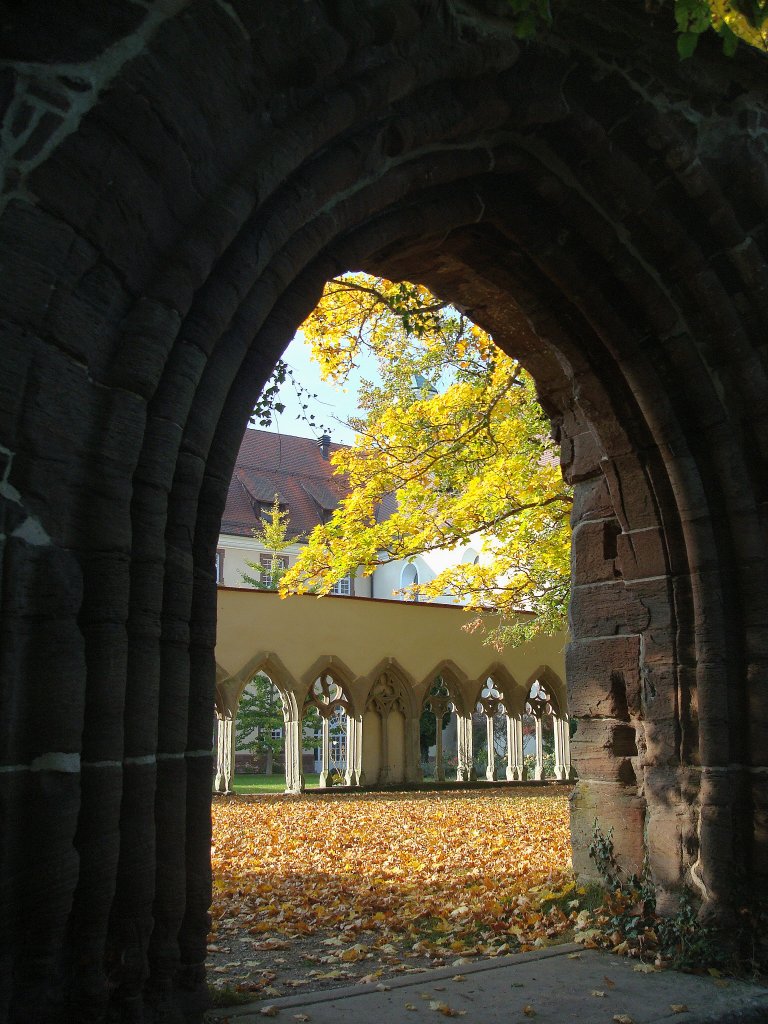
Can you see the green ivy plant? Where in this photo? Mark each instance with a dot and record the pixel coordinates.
(628, 914)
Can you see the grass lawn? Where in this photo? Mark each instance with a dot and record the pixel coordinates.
(266, 783)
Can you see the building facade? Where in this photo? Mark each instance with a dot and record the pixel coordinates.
(345, 717)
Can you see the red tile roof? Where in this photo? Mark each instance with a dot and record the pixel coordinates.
(291, 467)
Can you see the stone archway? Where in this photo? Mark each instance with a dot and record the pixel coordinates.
(228, 694)
(182, 182)
(391, 727)
(444, 700)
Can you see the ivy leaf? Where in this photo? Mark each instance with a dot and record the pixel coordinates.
(686, 44)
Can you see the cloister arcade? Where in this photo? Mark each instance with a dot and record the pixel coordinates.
(380, 697)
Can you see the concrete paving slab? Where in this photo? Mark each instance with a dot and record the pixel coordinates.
(562, 985)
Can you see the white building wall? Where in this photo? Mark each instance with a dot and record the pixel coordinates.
(384, 584)
(238, 551)
(388, 578)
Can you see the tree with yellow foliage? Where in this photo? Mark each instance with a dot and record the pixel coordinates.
(734, 21)
(272, 532)
(453, 449)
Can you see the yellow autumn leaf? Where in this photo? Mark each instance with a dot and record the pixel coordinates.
(445, 1009)
(352, 954)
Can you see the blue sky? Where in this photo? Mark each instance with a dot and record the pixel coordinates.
(333, 404)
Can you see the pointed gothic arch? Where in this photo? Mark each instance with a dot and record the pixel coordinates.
(230, 693)
(445, 693)
(456, 684)
(552, 683)
(390, 738)
(545, 708)
(329, 696)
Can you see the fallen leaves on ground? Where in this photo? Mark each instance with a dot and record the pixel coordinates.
(396, 877)
(445, 1009)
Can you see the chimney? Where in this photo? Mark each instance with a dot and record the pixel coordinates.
(324, 444)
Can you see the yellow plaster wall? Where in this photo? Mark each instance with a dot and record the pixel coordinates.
(357, 637)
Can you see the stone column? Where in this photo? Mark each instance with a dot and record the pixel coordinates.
(514, 748)
(538, 771)
(294, 777)
(354, 771)
(225, 754)
(562, 769)
(490, 768)
(325, 752)
(465, 771)
(557, 737)
(439, 766)
(439, 705)
(567, 768)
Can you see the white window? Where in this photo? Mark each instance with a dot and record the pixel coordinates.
(342, 587)
(220, 565)
(409, 577)
(280, 562)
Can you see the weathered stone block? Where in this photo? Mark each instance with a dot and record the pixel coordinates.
(591, 500)
(604, 677)
(593, 552)
(641, 554)
(147, 334)
(83, 315)
(616, 809)
(41, 654)
(580, 456)
(34, 249)
(607, 609)
(602, 748)
(631, 494)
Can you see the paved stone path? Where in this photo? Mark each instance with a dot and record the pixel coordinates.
(563, 985)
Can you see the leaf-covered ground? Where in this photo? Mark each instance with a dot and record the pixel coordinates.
(322, 890)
